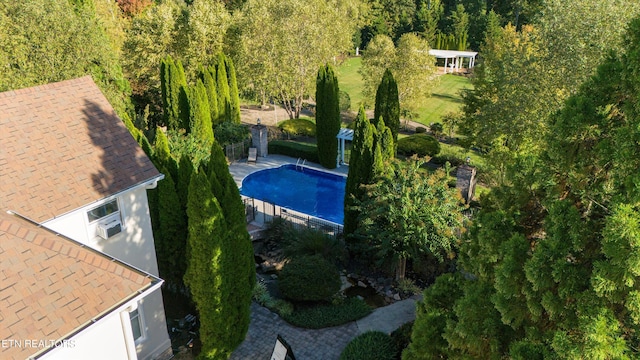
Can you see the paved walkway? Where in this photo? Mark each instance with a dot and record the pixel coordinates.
(322, 344)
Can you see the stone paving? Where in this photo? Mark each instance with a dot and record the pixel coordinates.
(322, 344)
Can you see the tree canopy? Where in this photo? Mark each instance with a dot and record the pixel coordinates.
(281, 45)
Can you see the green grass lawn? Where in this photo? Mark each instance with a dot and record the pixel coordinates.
(445, 98)
(446, 95)
(350, 80)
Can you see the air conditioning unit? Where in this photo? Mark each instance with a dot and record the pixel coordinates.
(109, 229)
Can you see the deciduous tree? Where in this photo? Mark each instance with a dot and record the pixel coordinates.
(283, 43)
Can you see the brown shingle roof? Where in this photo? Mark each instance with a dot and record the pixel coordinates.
(51, 286)
(62, 147)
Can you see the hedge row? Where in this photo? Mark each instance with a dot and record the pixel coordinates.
(294, 149)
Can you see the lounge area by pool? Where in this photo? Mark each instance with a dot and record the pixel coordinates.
(313, 192)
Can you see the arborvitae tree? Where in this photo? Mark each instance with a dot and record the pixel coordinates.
(162, 156)
(199, 113)
(212, 95)
(327, 116)
(223, 89)
(171, 236)
(172, 78)
(234, 96)
(207, 232)
(185, 108)
(185, 170)
(360, 163)
(237, 251)
(387, 103)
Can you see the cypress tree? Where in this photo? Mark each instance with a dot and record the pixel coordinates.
(223, 89)
(327, 116)
(234, 96)
(360, 163)
(184, 177)
(212, 96)
(172, 78)
(199, 113)
(184, 111)
(207, 230)
(170, 237)
(388, 104)
(237, 252)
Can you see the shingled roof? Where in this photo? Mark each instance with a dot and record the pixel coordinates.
(63, 147)
(51, 286)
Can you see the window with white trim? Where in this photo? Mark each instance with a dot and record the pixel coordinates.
(103, 211)
(137, 325)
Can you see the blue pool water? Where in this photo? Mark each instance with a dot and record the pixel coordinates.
(308, 191)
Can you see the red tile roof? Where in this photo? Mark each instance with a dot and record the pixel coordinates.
(62, 147)
(51, 286)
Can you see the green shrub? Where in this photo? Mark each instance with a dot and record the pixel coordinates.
(294, 149)
(298, 127)
(452, 159)
(402, 337)
(309, 278)
(345, 100)
(371, 345)
(421, 130)
(327, 315)
(229, 132)
(309, 242)
(418, 144)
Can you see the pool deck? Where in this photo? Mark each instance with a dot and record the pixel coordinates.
(241, 168)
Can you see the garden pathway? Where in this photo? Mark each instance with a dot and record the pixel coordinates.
(322, 344)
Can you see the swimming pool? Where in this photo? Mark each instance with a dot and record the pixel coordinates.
(309, 191)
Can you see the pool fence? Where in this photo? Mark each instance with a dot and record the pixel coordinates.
(263, 212)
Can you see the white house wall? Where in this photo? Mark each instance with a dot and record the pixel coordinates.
(104, 340)
(134, 245)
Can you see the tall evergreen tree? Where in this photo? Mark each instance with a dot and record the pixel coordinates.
(185, 170)
(224, 101)
(327, 116)
(238, 276)
(234, 96)
(388, 104)
(207, 232)
(171, 237)
(212, 95)
(199, 113)
(368, 160)
(172, 78)
(185, 108)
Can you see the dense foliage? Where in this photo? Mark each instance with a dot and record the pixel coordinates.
(327, 116)
(553, 255)
(298, 127)
(387, 104)
(309, 278)
(371, 345)
(418, 144)
(329, 314)
(371, 149)
(295, 150)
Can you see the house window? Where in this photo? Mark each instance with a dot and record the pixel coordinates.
(136, 325)
(103, 211)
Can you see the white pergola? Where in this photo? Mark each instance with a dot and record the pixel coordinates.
(456, 58)
(343, 135)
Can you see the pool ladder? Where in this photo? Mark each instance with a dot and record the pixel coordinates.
(300, 163)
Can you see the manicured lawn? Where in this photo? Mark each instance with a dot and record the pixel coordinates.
(350, 80)
(446, 96)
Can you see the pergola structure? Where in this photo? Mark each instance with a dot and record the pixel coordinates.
(456, 58)
(343, 136)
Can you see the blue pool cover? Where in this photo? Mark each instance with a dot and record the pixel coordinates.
(309, 191)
